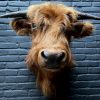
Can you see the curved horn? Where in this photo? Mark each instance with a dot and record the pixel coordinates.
(87, 16)
(15, 14)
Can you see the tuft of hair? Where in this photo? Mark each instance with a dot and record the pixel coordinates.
(49, 8)
(87, 29)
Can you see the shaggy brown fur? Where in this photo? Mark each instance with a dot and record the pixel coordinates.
(55, 25)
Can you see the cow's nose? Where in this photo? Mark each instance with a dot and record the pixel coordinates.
(52, 58)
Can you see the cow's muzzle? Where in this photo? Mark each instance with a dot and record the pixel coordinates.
(53, 59)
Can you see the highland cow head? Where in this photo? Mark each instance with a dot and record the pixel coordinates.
(51, 27)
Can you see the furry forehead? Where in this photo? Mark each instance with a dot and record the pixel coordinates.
(51, 8)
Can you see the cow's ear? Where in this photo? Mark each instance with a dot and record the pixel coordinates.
(21, 26)
(81, 29)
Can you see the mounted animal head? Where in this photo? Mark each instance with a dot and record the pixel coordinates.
(51, 27)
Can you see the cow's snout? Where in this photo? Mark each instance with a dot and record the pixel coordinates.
(52, 58)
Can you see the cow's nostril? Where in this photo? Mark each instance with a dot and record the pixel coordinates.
(60, 56)
(45, 54)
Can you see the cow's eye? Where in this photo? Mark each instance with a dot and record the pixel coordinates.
(63, 27)
(63, 24)
(34, 26)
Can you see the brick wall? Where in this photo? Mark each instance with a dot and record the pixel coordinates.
(18, 83)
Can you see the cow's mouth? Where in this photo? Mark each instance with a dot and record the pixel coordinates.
(53, 67)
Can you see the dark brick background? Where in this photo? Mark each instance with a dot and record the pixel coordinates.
(18, 83)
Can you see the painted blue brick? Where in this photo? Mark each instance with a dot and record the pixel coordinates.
(80, 70)
(7, 86)
(80, 84)
(89, 0)
(94, 84)
(98, 51)
(26, 45)
(97, 26)
(8, 72)
(85, 51)
(18, 3)
(87, 91)
(3, 39)
(39, 2)
(22, 58)
(79, 57)
(91, 9)
(93, 57)
(26, 86)
(29, 98)
(3, 26)
(81, 97)
(23, 8)
(65, 0)
(92, 45)
(82, 4)
(4, 20)
(22, 98)
(88, 77)
(88, 63)
(96, 4)
(24, 72)
(94, 70)
(86, 39)
(8, 45)
(97, 32)
(11, 9)
(2, 9)
(36, 2)
(1, 13)
(1, 94)
(75, 0)
(7, 33)
(19, 79)
(95, 97)
(18, 52)
(7, 98)
(15, 93)
(3, 3)
(13, 52)
(97, 14)
(97, 38)
(95, 21)
(13, 58)
(15, 65)
(34, 93)
(18, 86)
(77, 44)
(16, 39)
(67, 3)
(2, 79)
(89, 39)
(2, 65)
